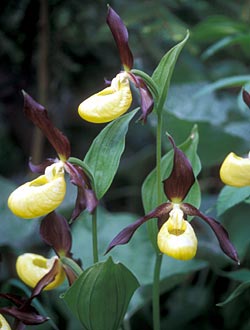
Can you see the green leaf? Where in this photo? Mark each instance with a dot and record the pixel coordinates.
(234, 81)
(149, 188)
(163, 72)
(238, 291)
(104, 155)
(99, 298)
(231, 196)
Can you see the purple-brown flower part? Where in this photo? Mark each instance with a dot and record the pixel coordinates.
(218, 229)
(126, 234)
(23, 312)
(39, 116)
(55, 231)
(246, 97)
(147, 101)
(86, 198)
(41, 167)
(120, 34)
(181, 179)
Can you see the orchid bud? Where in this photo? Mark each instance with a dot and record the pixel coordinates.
(235, 171)
(108, 104)
(31, 268)
(4, 325)
(40, 196)
(176, 237)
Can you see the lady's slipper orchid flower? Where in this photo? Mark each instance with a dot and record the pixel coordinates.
(176, 237)
(31, 268)
(44, 194)
(4, 325)
(235, 171)
(115, 100)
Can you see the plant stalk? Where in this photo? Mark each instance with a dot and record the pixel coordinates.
(158, 261)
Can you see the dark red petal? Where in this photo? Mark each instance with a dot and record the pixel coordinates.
(147, 101)
(55, 231)
(246, 97)
(41, 167)
(26, 317)
(39, 116)
(120, 34)
(126, 234)
(15, 299)
(181, 179)
(86, 198)
(219, 230)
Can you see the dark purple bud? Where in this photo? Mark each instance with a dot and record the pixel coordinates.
(246, 97)
(86, 198)
(126, 234)
(147, 101)
(39, 116)
(220, 232)
(55, 231)
(120, 34)
(181, 179)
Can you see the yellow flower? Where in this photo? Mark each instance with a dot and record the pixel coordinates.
(4, 325)
(176, 237)
(40, 196)
(108, 104)
(32, 267)
(235, 171)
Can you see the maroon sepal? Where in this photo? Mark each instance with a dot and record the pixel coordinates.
(126, 234)
(55, 231)
(39, 116)
(120, 34)
(220, 232)
(41, 167)
(23, 312)
(181, 179)
(246, 97)
(86, 198)
(147, 101)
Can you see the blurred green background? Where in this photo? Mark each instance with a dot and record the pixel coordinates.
(60, 52)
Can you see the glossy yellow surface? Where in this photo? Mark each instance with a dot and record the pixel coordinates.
(40, 196)
(32, 267)
(176, 237)
(235, 171)
(108, 104)
(4, 325)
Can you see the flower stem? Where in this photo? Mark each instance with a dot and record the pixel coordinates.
(94, 237)
(158, 261)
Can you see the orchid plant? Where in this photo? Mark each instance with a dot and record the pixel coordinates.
(99, 295)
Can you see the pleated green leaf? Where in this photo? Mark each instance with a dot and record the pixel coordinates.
(99, 298)
(104, 155)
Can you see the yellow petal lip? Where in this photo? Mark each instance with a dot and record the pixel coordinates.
(235, 171)
(4, 325)
(32, 267)
(40, 196)
(176, 237)
(108, 104)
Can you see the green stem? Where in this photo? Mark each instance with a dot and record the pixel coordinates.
(72, 265)
(158, 261)
(94, 237)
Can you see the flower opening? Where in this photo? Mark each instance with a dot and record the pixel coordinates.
(31, 268)
(176, 237)
(108, 104)
(40, 196)
(235, 171)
